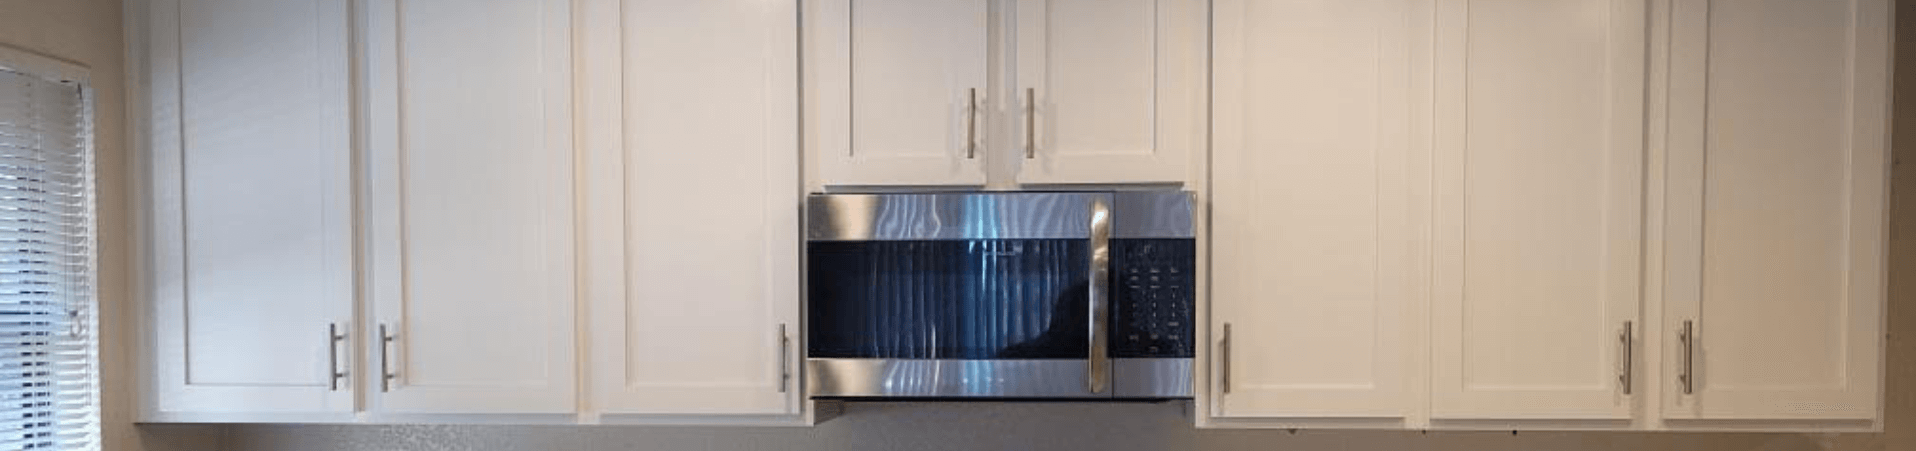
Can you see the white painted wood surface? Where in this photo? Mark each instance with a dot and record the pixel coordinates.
(1481, 160)
(897, 91)
(251, 206)
(1778, 177)
(1312, 225)
(1119, 86)
(470, 205)
(1539, 153)
(693, 198)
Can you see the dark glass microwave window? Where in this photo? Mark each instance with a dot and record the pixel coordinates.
(1153, 294)
(949, 299)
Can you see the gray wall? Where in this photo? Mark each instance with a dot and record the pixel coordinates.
(1114, 427)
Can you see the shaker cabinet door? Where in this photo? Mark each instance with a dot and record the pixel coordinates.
(1778, 179)
(1106, 91)
(1538, 162)
(897, 91)
(470, 205)
(252, 232)
(693, 188)
(1312, 209)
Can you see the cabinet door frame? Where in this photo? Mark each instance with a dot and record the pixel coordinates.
(608, 263)
(1454, 398)
(387, 274)
(176, 397)
(1868, 167)
(830, 137)
(1180, 37)
(1391, 399)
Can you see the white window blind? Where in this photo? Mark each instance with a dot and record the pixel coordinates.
(48, 379)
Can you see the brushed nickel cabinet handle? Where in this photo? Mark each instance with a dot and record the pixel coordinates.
(1626, 341)
(784, 359)
(1686, 375)
(386, 373)
(1224, 355)
(333, 373)
(1031, 123)
(971, 123)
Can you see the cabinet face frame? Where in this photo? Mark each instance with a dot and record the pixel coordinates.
(1694, 135)
(170, 146)
(391, 133)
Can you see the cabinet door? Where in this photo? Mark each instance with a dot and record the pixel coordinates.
(694, 208)
(1539, 181)
(1776, 196)
(1108, 91)
(1311, 208)
(252, 232)
(898, 91)
(471, 205)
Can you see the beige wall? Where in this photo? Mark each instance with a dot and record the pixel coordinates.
(89, 32)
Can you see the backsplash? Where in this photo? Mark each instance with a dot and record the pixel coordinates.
(996, 426)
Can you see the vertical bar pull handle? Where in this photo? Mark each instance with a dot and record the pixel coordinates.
(333, 372)
(1686, 374)
(971, 123)
(784, 359)
(386, 373)
(1099, 366)
(1626, 342)
(1031, 123)
(1224, 357)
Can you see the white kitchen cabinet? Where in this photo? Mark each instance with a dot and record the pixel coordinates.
(469, 206)
(932, 92)
(1538, 204)
(899, 95)
(1777, 175)
(693, 192)
(1314, 215)
(1107, 91)
(250, 233)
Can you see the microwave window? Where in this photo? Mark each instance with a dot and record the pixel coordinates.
(993, 299)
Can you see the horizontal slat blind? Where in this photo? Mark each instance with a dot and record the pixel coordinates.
(48, 381)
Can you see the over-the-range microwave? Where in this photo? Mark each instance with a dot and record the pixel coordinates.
(994, 295)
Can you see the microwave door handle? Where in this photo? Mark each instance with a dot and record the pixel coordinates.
(1099, 369)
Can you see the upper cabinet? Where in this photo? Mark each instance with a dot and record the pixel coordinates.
(1538, 158)
(1106, 91)
(469, 209)
(251, 236)
(1596, 214)
(1534, 181)
(1777, 175)
(924, 92)
(1313, 209)
(444, 192)
(692, 207)
(899, 92)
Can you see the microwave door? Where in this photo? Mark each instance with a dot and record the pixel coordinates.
(958, 296)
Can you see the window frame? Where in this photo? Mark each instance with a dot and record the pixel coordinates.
(28, 62)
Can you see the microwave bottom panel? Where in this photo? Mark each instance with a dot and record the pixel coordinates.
(1166, 378)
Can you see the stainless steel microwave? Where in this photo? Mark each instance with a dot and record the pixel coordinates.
(1039, 295)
